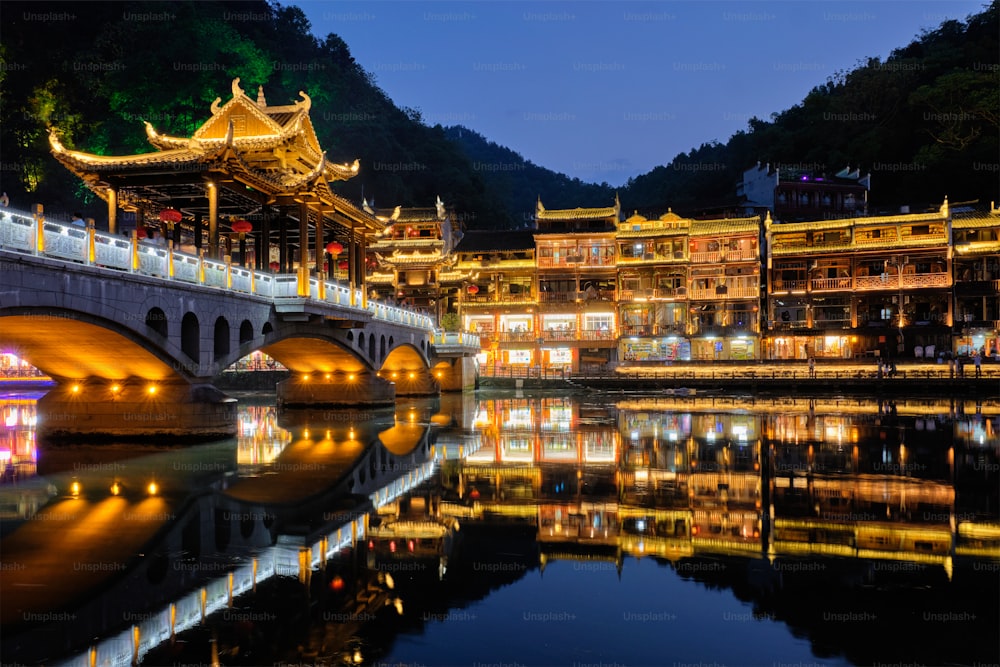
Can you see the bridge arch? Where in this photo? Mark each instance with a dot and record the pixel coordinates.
(313, 354)
(74, 345)
(191, 337)
(156, 320)
(246, 332)
(220, 343)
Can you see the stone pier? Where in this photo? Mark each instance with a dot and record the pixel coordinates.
(101, 409)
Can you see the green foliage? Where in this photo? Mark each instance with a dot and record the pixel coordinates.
(450, 322)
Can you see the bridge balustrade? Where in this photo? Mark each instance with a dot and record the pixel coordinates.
(21, 232)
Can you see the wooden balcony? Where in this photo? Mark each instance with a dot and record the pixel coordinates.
(727, 292)
(708, 257)
(576, 262)
(744, 254)
(864, 283)
(652, 330)
(654, 294)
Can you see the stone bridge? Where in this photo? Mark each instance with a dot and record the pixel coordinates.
(134, 334)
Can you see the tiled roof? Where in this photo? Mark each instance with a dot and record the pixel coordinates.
(577, 213)
(816, 226)
(977, 221)
(724, 226)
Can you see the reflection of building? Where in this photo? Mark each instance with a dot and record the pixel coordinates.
(18, 449)
(838, 478)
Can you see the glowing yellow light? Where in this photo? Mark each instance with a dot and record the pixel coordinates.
(115, 388)
(75, 389)
(152, 488)
(394, 376)
(74, 488)
(305, 378)
(439, 374)
(350, 434)
(305, 434)
(412, 375)
(151, 389)
(351, 377)
(116, 489)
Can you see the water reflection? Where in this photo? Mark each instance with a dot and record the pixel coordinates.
(336, 537)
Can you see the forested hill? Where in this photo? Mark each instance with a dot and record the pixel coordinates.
(519, 182)
(96, 70)
(926, 122)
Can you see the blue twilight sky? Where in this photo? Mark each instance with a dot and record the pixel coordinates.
(604, 90)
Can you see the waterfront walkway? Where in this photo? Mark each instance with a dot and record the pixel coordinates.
(912, 376)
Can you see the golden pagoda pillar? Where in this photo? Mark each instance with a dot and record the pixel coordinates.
(352, 263)
(112, 210)
(303, 249)
(213, 220)
(198, 233)
(319, 253)
(362, 269)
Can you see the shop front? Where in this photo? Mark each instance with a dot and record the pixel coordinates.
(982, 340)
(717, 348)
(652, 349)
(819, 346)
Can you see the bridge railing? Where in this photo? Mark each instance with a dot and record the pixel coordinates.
(21, 232)
(455, 338)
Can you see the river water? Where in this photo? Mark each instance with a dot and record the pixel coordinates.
(509, 530)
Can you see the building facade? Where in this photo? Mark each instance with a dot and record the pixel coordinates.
(583, 291)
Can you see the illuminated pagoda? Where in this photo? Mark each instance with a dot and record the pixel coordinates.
(411, 260)
(248, 163)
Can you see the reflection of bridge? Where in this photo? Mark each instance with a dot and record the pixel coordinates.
(132, 332)
(201, 539)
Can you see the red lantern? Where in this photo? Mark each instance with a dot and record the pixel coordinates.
(274, 266)
(242, 226)
(473, 289)
(343, 265)
(140, 232)
(170, 215)
(334, 248)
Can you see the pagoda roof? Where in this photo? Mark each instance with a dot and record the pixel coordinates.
(977, 220)
(725, 226)
(263, 152)
(541, 213)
